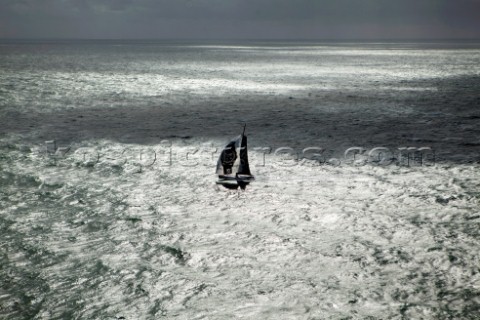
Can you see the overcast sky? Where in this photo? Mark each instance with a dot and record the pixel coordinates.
(234, 19)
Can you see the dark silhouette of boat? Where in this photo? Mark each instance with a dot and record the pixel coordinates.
(233, 169)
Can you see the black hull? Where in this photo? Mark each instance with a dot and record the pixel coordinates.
(233, 183)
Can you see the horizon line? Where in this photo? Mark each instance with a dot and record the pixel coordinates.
(243, 39)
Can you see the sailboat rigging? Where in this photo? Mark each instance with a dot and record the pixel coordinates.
(233, 169)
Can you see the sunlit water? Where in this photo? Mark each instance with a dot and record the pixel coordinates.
(125, 225)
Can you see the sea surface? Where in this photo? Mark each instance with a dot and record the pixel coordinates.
(366, 203)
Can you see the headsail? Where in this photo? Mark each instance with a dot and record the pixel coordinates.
(229, 162)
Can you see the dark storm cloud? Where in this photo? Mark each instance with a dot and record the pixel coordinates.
(240, 18)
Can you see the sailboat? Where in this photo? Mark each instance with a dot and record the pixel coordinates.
(233, 169)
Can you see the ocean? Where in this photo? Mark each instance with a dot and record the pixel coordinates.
(365, 206)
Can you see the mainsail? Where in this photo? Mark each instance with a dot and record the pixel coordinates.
(233, 168)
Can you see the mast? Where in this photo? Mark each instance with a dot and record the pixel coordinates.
(243, 135)
(243, 168)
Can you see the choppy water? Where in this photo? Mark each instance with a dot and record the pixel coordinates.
(100, 232)
(45, 76)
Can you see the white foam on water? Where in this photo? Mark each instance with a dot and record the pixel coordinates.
(101, 232)
(166, 241)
